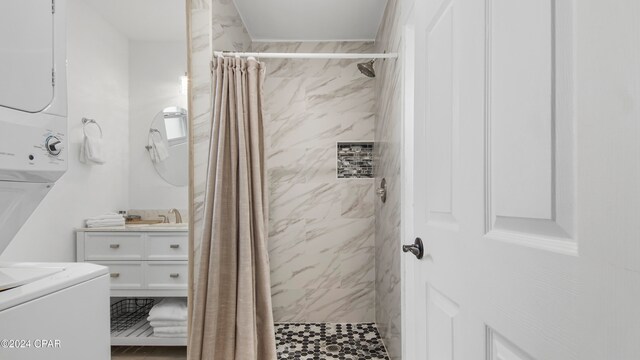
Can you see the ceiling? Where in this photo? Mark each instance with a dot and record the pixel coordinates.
(145, 20)
(311, 20)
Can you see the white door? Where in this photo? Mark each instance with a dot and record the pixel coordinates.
(522, 178)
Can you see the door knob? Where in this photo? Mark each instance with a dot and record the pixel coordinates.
(416, 248)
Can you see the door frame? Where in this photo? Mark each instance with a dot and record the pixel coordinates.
(407, 71)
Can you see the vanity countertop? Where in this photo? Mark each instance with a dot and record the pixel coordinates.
(140, 228)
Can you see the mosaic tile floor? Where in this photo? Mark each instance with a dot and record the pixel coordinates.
(319, 341)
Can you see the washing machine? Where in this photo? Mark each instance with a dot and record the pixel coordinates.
(47, 310)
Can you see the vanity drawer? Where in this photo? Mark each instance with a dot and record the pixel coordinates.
(113, 246)
(125, 275)
(166, 275)
(166, 246)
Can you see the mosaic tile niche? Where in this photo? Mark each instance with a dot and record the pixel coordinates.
(355, 160)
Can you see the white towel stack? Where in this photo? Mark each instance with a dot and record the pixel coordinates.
(168, 318)
(107, 220)
(159, 150)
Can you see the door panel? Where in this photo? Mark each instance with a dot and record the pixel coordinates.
(441, 127)
(529, 217)
(441, 318)
(492, 189)
(500, 348)
(530, 124)
(521, 107)
(437, 152)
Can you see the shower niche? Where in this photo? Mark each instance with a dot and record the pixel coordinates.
(355, 160)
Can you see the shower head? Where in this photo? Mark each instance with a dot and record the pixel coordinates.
(367, 68)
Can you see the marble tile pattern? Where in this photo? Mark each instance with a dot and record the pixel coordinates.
(309, 341)
(214, 24)
(388, 154)
(321, 237)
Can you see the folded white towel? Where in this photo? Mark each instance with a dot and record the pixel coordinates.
(106, 217)
(159, 323)
(170, 331)
(162, 335)
(106, 224)
(107, 220)
(159, 150)
(92, 150)
(169, 309)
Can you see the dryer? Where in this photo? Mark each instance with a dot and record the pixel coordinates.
(47, 311)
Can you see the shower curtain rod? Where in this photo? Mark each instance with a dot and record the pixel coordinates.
(306, 55)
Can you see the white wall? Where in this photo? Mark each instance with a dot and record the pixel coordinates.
(155, 70)
(98, 87)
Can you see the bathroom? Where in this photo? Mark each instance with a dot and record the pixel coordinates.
(422, 179)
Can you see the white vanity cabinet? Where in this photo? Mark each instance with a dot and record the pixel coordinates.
(144, 262)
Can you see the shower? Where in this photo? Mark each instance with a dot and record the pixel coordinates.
(366, 68)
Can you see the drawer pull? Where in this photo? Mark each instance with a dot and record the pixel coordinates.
(114, 246)
(115, 275)
(174, 246)
(174, 275)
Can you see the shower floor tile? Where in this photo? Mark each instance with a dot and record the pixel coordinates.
(319, 341)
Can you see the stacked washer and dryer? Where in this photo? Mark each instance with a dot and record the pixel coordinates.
(47, 310)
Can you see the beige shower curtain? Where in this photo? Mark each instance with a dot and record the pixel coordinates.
(231, 316)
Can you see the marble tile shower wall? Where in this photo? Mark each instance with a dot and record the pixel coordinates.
(388, 152)
(322, 229)
(214, 24)
(321, 238)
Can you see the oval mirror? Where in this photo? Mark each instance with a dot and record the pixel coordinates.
(168, 146)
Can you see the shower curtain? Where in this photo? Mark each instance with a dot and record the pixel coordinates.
(231, 316)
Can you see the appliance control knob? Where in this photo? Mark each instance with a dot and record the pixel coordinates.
(54, 145)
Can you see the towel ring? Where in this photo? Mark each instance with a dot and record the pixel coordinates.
(86, 122)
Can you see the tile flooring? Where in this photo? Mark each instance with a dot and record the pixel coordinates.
(319, 341)
(294, 341)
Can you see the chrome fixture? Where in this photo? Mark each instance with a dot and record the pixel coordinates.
(165, 219)
(86, 122)
(417, 248)
(382, 191)
(366, 68)
(177, 214)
